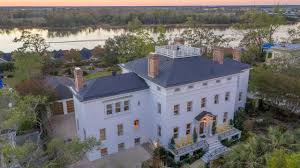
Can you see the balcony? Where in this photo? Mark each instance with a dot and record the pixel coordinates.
(230, 134)
(183, 150)
(177, 51)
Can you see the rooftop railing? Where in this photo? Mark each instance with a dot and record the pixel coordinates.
(177, 51)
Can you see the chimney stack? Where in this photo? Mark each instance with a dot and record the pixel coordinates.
(179, 41)
(236, 54)
(153, 63)
(79, 82)
(218, 55)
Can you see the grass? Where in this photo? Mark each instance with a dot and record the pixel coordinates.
(97, 75)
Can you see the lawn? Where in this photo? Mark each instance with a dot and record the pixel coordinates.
(97, 74)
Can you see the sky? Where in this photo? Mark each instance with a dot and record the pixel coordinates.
(143, 2)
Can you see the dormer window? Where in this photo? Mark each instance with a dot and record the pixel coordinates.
(218, 81)
(177, 89)
(204, 84)
(191, 86)
(229, 78)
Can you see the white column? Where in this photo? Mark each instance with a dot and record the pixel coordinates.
(65, 106)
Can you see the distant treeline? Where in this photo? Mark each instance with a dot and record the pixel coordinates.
(74, 17)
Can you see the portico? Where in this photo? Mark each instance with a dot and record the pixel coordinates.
(204, 124)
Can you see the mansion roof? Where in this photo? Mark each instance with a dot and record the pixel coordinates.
(180, 71)
(111, 85)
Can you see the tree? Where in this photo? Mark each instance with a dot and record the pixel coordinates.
(202, 37)
(161, 39)
(282, 159)
(259, 28)
(134, 25)
(277, 88)
(72, 56)
(257, 149)
(27, 66)
(98, 52)
(32, 42)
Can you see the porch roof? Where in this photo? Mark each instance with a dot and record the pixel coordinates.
(203, 114)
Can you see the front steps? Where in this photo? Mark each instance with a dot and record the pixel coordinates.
(215, 149)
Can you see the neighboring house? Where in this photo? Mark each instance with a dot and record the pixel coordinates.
(63, 103)
(282, 51)
(166, 95)
(85, 54)
(5, 57)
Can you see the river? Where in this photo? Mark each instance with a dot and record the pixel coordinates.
(89, 38)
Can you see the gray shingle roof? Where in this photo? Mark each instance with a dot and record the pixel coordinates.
(111, 85)
(61, 86)
(180, 71)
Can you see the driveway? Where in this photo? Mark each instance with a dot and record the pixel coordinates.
(129, 158)
(63, 126)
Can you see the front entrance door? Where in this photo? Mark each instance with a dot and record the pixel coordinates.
(204, 128)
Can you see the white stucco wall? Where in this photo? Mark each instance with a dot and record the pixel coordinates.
(92, 114)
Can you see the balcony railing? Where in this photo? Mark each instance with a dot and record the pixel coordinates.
(202, 144)
(229, 133)
(215, 153)
(177, 51)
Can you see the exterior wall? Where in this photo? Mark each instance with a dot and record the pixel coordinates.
(92, 117)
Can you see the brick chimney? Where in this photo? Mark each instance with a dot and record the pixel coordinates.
(79, 82)
(218, 55)
(179, 41)
(236, 54)
(153, 63)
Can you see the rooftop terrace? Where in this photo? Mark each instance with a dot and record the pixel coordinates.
(177, 51)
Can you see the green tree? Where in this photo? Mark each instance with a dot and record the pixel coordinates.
(161, 39)
(135, 25)
(259, 28)
(282, 159)
(203, 37)
(32, 43)
(27, 66)
(72, 56)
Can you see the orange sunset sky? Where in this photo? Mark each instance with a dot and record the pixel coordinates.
(142, 2)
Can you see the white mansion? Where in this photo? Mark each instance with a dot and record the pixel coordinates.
(172, 93)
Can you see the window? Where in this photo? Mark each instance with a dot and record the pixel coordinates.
(118, 107)
(218, 81)
(189, 106)
(159, 108)
(177, 89)
(121, 146)
(227, 96)
(108, 109)
(157, 88)
(188, 129)
(70, 106)
(175, 132)
(191, 87)
(240, 96)
(225, 117)
(229, 78)
(136, 124)
(104, 152)
(176, 109)
(137, 141)
(203, 102)
(139, 103)
(102, 134)
(204, 84)
(158, 130)
(216, 99)
(126, 105)
(120, 129)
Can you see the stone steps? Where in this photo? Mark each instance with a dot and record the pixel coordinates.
(215, 149)
(148, 147)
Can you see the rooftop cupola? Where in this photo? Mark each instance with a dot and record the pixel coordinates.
(218, 55)
(153, 65)
(79, 81)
